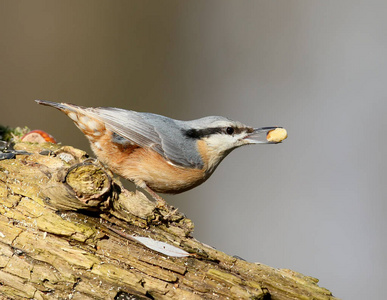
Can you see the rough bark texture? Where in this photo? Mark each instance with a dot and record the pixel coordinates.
(57, 211)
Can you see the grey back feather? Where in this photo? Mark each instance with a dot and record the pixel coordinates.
(164, 135)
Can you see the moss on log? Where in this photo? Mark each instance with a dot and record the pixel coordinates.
(57, 212)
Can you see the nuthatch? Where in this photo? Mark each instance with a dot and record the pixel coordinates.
(160, 154)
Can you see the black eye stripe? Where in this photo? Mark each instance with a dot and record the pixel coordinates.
(201, 133)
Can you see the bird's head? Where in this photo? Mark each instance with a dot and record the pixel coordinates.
(218, 136)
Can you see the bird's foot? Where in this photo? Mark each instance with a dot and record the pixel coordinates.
(168, 213)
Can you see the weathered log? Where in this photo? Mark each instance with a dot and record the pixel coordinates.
(60, 213)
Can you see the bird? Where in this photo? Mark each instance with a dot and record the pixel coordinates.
(160, 154)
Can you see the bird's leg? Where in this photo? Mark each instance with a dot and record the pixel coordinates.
(161, 203)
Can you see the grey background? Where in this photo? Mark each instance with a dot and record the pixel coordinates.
(315, 203)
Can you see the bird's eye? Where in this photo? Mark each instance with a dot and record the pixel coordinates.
(230, 130)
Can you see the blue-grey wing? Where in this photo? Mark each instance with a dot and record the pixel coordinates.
(162, 134)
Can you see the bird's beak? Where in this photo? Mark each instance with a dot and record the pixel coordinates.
(267, 135)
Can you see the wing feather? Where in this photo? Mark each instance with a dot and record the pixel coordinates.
(160, 133)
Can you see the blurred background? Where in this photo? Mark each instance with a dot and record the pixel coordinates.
(316, 203)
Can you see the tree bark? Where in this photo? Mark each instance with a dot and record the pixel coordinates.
(65, 223)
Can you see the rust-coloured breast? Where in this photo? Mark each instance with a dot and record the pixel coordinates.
(146, 166)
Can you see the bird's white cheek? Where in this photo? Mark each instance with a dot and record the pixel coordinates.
(212, 153)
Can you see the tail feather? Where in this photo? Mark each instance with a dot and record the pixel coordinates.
(65, 107)
(81, 116)
(59, 106)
